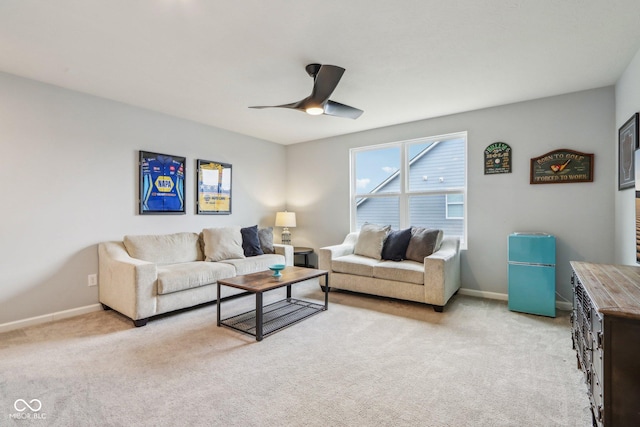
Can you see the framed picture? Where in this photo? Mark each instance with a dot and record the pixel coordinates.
(497, 158)
(627, 144)
(214, 188)
(637, 187)
(161, 183)
(562, 166)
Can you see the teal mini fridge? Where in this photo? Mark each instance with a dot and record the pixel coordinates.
(532, 273)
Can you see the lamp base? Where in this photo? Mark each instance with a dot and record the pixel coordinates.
(286, 236)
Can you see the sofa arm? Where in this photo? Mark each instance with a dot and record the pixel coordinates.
(442, 272)
(286, 250)
(126, 284)
(326, 254)
(329, 253)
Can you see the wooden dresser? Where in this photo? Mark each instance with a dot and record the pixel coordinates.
(606, 335)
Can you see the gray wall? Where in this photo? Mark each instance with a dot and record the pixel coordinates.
(581, 215)
(69, 180)
(627, 103)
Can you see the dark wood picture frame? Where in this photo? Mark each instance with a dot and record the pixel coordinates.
(562, 166)
(636, 159)
(161, 184)
(627, 145)
(213, 192)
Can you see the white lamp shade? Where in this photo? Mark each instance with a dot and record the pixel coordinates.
(286, 219)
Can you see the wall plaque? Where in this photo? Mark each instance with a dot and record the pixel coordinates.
(562, 166)
(497, 158)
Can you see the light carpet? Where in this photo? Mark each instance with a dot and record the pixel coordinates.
(365, 362)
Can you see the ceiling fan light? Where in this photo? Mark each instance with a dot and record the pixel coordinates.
(315, 111)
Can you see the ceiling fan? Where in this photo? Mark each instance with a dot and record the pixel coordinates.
(325, 80)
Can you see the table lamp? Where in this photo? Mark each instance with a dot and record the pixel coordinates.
(286, 219)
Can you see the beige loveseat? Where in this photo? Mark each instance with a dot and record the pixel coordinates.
(433, 281)
(143, 276)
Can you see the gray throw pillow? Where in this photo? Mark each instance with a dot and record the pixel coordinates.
(266, 240)
(371, 240)
(222, 243)
(164, 248)
(424, 242)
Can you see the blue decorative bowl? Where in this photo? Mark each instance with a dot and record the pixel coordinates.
(276, 269)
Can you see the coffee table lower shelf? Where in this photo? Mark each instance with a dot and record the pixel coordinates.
(275, 316)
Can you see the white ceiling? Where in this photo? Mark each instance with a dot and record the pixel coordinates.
(405, 60)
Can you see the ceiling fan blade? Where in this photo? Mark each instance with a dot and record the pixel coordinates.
(291, 105)
(325, 83)
(325, 80)
(333, 108)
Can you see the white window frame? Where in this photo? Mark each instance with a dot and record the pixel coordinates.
(404, 194)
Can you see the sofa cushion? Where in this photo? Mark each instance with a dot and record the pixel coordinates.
(403, 271)
(250, 241)
(354, 264)
(222, 243)
(164, 248)
(255, 263)
(187, 275)
(371, 239)
(266, 240)
(424, 242)
(395, 245)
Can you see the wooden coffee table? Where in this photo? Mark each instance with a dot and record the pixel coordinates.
(273, 317)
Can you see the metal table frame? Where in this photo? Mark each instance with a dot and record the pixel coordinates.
(265, 320)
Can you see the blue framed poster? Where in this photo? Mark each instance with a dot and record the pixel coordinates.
(161, 183)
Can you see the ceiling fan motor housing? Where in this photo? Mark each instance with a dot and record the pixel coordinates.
(312, 69)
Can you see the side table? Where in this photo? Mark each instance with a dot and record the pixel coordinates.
(305, 252)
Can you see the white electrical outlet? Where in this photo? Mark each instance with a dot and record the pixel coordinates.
(92, 280)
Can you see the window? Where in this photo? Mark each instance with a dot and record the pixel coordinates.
(420, 182)
(455, 206)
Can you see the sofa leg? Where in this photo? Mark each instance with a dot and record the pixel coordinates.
(324, 288)
(140, 322)
(106, 307)
(438, 308)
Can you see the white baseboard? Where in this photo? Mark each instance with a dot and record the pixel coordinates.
(560, 305)
(5, 327)
(483, 294)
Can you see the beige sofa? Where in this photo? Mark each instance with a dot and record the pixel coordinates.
(144, 276)
(433, 281)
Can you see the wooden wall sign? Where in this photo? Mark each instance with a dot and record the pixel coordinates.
(497, 158)
(562, 166)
